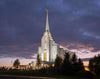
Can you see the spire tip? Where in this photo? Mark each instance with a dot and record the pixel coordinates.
(47, 10)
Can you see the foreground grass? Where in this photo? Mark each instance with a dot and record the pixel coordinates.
(21, 73)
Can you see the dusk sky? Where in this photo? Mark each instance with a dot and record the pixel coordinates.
(74, 24)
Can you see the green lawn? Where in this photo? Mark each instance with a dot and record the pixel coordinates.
(39, 75)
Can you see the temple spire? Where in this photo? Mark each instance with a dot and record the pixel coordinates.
(47, 22)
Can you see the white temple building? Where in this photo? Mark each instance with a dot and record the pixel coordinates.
(49, 49)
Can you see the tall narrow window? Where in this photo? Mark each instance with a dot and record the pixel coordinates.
(45, 56)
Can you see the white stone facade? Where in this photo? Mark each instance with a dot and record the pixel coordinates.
(49, 49)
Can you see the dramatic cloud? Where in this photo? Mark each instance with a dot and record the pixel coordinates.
(26, 51)
(73, 23)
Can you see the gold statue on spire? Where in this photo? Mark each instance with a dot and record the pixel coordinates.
(47, 11)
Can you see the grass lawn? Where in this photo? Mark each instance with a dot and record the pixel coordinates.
(21, 73)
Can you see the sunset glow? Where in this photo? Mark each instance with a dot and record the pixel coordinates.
(73, 24)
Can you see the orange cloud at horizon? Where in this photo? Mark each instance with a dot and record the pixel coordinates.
(85, 63)
(79, 46)
(8, 62)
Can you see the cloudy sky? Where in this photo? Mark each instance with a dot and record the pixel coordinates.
(74, 24)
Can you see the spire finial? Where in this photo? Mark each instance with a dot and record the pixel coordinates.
(47, 21)
(47, 11)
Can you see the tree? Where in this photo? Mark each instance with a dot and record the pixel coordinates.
(80, 66)
(16, 63)
(38, 60)
(58, 62)
(74, 63)
(74, 58)
(94, 64)
(91, 65)
(77, 63)
(67, 68)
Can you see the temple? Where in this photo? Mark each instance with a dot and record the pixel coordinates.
(49, 49)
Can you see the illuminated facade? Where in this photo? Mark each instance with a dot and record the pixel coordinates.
(49, 49)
